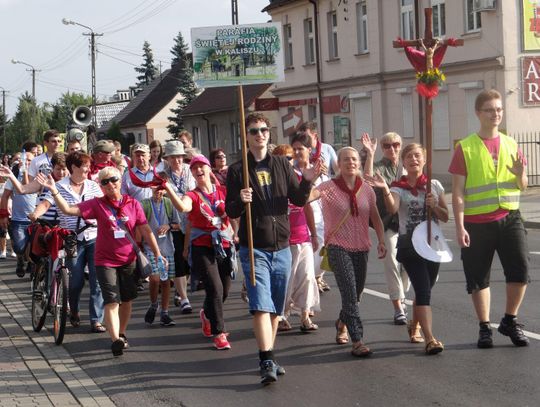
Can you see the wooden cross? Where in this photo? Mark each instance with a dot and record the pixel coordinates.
(429, 45)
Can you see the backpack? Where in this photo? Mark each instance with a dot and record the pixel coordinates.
(147, 208)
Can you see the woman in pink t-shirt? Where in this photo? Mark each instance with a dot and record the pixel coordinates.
(348, 204)
(302, 290)
(114, 256)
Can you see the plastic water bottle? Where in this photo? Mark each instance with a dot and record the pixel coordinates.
(163, 272)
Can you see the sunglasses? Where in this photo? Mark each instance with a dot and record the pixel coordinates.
(388, 146)
(255, 130)
(107, 180)
(221, 156)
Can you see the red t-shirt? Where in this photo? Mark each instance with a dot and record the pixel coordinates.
(458, 167)
(111, 252)
(205, 208)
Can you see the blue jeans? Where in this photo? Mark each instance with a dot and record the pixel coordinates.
(85, 256)
(18, 231)
(272, 272)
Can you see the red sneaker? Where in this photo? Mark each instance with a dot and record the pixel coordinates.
(221, 342)
(205, 325)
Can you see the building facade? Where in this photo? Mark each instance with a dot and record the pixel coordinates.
(340, 53)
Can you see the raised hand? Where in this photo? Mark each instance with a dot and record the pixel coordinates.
(518, 166)
(376, 181)
(46, 181)
(312, 173)
(369, 145)
(5, 171)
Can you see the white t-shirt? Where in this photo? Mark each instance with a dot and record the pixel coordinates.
(40, 163)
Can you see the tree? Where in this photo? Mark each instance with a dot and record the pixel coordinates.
(181, 66)
(148, 70)
(62, 110)
(29, 123)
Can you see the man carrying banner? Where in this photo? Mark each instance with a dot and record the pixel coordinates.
(272, 184)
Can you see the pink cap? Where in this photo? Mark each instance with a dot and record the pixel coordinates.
(198, 159)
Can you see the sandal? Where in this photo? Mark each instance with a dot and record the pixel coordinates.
(342, 336)
(97, 328)
(308, 326)
(284, 325)
(361, 351)
(414, 332)
(433, 347)
(75, 320)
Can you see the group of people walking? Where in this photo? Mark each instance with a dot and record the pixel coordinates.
(303, 196)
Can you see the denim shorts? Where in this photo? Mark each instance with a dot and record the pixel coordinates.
(272, 272)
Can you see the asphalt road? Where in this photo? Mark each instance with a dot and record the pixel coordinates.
(178, 366)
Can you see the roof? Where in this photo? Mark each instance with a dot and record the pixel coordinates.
(106, 111)
(223, 99)
(151, 100)
(277, 3)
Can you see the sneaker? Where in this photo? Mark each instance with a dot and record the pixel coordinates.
(400, 318)
(485, 337)
(280, 370)
(3, 255)
(221, 342)
(514, 331)
(150, 315)
(13, 254)
(20, 271)
(166, 320)
(268, 371)
(185, 307)
(205, 325)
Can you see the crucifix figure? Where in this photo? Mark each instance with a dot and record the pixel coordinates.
(425, 61)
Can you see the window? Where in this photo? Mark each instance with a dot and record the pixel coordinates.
(287, 34)
(362, 27)
(214, 136)
(363, 122)
(474, 22)
(332, 35)
(235, 138)
(439, 16)
(407, 19)
(196, 133)
(309, 41)
(312, 112)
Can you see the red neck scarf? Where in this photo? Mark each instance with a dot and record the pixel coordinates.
(340, 183)
(157, 181)
(317, 153)
(95, 168)
(118, 206)
(402, 183)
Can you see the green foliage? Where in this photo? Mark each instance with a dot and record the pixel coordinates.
(63, 109)
(148, 70)
(186, 87)
(29, 123)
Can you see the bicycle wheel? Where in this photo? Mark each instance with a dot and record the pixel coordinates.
(61, 305)
(39, 297)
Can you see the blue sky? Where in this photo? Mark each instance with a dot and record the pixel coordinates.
(32, 31)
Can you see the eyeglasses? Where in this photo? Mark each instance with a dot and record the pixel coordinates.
(255, 130)
(387, 146)
(221, 156)
(107, 180)
(491, 111)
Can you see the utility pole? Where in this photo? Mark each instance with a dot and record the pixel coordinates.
(4, 118)
(92, 36)
(33, 70)
(234, 9)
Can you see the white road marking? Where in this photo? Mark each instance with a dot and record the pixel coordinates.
(374, 293)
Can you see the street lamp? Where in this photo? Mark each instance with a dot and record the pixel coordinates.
(16, 61)
(92, 35)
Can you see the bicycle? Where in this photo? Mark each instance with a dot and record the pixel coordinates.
(53, 298)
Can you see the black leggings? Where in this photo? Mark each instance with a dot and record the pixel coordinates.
(216, 276)
(422, 273)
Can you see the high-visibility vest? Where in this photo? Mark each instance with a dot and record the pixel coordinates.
(488, 188)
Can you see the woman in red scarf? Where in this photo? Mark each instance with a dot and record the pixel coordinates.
(116, 215)
(348, 204)
(409, 197)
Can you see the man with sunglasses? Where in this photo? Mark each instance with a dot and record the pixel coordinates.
(42, 163)
(391, 170)
(273, 183)
(488, 175)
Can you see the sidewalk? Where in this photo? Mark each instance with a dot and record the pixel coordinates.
(33, 370)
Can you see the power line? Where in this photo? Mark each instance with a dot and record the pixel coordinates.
(155, 11)
(118, 59)
(133, 53)
(111, 23)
